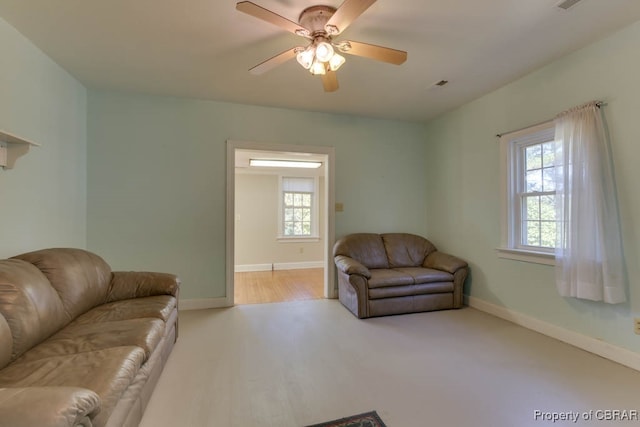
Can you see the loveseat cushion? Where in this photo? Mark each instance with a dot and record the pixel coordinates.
(81, 278)
(426, 275)
(406, 250)
(408, 290)
(31, 307)
(385, 277)
(366, 248)
(107, 372)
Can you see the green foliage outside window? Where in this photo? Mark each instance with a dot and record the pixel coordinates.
(539, 200)
(297, 213)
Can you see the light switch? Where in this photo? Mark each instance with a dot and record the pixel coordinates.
(339, 207)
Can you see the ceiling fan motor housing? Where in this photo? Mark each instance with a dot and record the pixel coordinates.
(315, 19)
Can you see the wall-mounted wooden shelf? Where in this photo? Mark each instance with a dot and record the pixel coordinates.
(12, 147)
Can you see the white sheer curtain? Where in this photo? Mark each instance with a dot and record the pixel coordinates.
(589, 262)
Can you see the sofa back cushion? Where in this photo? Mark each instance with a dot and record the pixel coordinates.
(30, 307)
(81, 278)
(406, 250)
(366, 248)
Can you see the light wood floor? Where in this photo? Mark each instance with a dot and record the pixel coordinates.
(298, 363)
(259, 287)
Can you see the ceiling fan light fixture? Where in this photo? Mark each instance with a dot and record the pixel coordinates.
(318, 68)
(305, 57)
(336, 61)
(324, 51)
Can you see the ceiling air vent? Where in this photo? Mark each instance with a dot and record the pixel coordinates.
(566, 4)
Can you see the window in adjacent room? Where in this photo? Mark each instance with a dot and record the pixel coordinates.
(299, 208)
(529, 193)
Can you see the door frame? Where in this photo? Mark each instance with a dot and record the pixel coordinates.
(330, 290)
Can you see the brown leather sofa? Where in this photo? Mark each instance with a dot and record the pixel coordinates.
(394, 273)
(81, 345)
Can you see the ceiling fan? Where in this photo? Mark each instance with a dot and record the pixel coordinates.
(320, 24)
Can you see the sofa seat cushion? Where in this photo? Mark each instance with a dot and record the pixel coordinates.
(386, 277)
(81, 338)
(407, 290)
(159, 307)
(107, 372)
(426, 275)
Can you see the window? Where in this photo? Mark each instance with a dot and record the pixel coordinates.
(529, 192)
(298, 207)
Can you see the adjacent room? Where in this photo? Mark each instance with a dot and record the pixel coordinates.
(285, 213)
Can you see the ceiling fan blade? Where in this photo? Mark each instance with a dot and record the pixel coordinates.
(260, 12)
(273, 62)
(347, 13)
(384, 54)
(330, 81)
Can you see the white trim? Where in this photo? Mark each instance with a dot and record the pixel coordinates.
(300, 239)
(330, 289)
(298, 265)
(527, 256)
(203, 303)
(510, 217)
(608, 351)
(244, 268)
(279, 266)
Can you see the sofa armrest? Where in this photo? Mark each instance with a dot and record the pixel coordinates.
(47, 407)
(138, 284)
(441, 261)
(351, 266)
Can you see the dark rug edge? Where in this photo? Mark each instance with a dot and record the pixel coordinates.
(372, 414)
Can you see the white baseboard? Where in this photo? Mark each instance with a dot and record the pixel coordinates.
(278, 266)
(253, 267)
(608, 351)
(203, 303)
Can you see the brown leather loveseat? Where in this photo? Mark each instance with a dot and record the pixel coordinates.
(81, 345)
(394, 273)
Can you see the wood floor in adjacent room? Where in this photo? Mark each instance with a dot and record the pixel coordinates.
(258, 287)
(298, 363)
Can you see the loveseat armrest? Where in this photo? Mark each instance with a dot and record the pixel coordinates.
(351, 266)
(47, 407)
(442, 261)
(138, 284)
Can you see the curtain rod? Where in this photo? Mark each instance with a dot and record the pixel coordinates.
(599, 104)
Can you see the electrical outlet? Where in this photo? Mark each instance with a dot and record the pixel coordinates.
(636, 323)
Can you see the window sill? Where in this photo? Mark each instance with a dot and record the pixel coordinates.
(301, 239)
(527, 256)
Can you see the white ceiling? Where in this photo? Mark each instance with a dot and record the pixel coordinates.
(203, 48)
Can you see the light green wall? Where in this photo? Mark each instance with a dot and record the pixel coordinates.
(43, 199)
(157, 178)
(464, 182)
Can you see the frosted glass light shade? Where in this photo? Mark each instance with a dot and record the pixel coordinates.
(324, 51)
(305, 57)
(336, 61)
(318, 68)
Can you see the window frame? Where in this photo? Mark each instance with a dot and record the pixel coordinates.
(512, 182)
(315, 231)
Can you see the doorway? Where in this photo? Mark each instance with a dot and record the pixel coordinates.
(239, 153)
